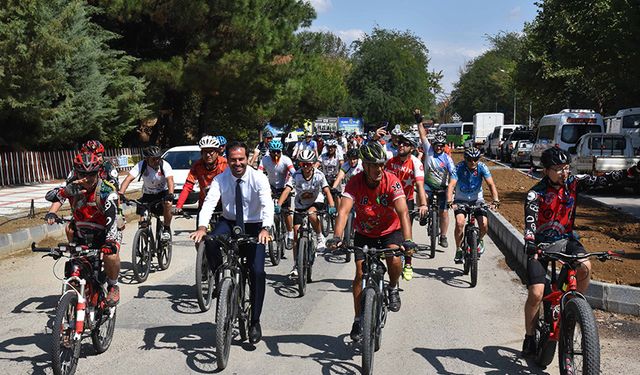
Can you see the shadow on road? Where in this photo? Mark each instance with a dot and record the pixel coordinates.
(492, 360)
(334, 354)
(283, 285)
(446, 275)
(182, 297)
(42, 305)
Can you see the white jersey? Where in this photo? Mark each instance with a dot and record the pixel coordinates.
(350, 171)
(153, 181)
(277, 173)
(308, 191)
(330, 166)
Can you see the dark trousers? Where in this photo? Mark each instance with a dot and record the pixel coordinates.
(255, 254)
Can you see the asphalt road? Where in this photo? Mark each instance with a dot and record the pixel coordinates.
(444, 326)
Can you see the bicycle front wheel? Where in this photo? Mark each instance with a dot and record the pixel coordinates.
(204, 279)
(65, 348)
(473, 257)
(141, 255)
(303, 246)
(433, 231)
(224, 321)
(275, 244)
(348, 236)
(579, 349)
(545, 348)
(369, 326)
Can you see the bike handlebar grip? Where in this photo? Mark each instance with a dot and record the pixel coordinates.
(40, 249)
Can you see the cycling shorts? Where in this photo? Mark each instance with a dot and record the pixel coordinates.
(477, 212)
(537, 269)
(158, 198)
(393, 238)
(297, 217)
(276, 194)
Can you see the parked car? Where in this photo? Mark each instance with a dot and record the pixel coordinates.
(485, 146)
(500, 134)
(181, 158)
(521, 153)
(507, 146)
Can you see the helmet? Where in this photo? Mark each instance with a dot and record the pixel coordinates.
(209, 141)
(405, 139)
(307, 156)
(353, 154)
(331, 143)
(151, 152)
(373, 152)
(338, 133)
(275, 145)
(439, 138)
(222, 140)
(471, 153)
(92, 146)
(554, 156)
(267, 134)
(86, 162)
(396, 130)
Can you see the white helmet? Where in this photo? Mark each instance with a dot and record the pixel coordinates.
(209, 141)
(396, 130)
(331, 142)
(307, 156)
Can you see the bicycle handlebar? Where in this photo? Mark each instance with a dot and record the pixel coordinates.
(602, 255)
(64, 248)
(395, 251)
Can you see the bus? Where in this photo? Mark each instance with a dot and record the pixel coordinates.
(457, 133)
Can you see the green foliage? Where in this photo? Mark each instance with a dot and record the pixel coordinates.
(60, 83)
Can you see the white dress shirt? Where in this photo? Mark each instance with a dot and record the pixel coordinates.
(256, 193)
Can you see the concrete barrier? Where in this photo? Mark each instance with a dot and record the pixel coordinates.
(609, 297)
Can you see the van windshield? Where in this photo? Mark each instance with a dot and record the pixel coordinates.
(571, 133)
(632, 121)
(181, 159)
(454, 130)
(516, 136)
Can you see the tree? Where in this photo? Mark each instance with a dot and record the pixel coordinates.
(390, 77)
(60, 83)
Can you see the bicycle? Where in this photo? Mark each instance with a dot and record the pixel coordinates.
(146, 245)
(433, 221)
(234, 296)
(205, 282)
(306, 251)
(471, 240)
(375, 302)
(565, 314)
(81, 307)
(329, 221)
(278, 237)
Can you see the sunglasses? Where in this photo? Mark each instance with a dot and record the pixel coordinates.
(275, 152)
(86, 174)
(212, 151)
(403, 144)
(565, 169)
(473, 159)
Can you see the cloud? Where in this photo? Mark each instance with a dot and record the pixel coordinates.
(450, 58)
(515, 14)
(347, 36)
(321, 6)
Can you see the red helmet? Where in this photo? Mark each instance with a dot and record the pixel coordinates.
(86, 162)
(92, 146)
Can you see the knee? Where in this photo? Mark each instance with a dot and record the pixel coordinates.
(535, 294)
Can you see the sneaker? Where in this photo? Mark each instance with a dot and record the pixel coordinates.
(407, 272)
(288, 243)
(321, 241)
(481, 247)
(166, 234)
(528, 346)
(356, 332)
(113, 295)
(443, 241)
(394, 299)
(294, 273)
(458, 257)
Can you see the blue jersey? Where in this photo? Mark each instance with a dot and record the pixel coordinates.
(469, 185)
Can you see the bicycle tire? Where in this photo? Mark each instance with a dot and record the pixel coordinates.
(473, 258)
(369, 326)
(165, 252)
(65, 356)
(102, 334)
(545, 348)
(311, 255)
(577, 312)
(433, 231)
(204, 279)
(244, 318)
(275, 243)
(348, 236)
(224, 322)
(300, 265)
(141, 255)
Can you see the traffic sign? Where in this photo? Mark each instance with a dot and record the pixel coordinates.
(456, 117)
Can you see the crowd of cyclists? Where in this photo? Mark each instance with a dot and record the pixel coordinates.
(385, 183)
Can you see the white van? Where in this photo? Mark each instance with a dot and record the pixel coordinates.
(563, 130)
(626, 121)
(500, 134)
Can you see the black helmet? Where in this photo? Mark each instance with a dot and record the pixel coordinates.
(554, 156)
(373, 152)
(353, 154)
(471, 153)
(151, 152)
(267, 134)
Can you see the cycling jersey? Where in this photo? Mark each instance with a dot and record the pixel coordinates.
(375, 208)
(469, 185)
(154, 181)
(408, 172)
(330, 166)
(438, 168)
(277, 172)
(304, 145)
(550, 211)
(203, 175)
(349, 170)
(308, 191)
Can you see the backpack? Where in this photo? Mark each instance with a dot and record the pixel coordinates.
(143, 168)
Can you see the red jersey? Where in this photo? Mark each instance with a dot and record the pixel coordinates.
(375, 212)
(408, 172)
(199, 172)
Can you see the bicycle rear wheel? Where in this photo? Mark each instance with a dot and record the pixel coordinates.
(141, 255)
(65, 349)
(244, 318)
(225, 315)
(204, 279)
(369, 326)
(165, 251)
(579, 349)
(433, 231)
(303, 245)
(102, 334)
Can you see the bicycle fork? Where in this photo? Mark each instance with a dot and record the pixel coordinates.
(80, 306)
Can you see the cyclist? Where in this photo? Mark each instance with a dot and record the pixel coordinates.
(262, 148)
(381, 221)
(210, 164)
(341, 141)
(309, 183)
(439, 168)
(306, 144)
(157, 185)
(467, 183)
(278, 168)
(410, 173)
(549, 213)
(223, 145)
(94, 208)
(320, 142)
(392, 147)
(348, 169)
(107, 170)
(255, 215)
(331, 161)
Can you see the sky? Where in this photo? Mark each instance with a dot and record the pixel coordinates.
(453, 30)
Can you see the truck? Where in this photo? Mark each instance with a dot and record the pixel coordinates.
(626, 121)
(598, 153)
(483, 124)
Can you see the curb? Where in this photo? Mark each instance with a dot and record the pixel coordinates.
(22, 239)
(622, 299)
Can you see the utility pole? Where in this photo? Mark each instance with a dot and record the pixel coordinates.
(514, 106)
